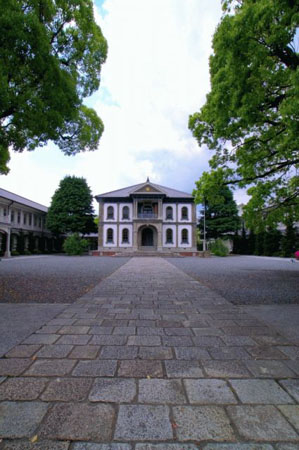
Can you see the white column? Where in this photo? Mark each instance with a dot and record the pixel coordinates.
(7, 251)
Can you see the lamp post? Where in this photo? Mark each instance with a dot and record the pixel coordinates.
(204, 225)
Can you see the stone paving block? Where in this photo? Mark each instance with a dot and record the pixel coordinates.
(169, 324)
(108, 340)
(265, 353)
(51, 367)
(73, 329)
(271, 340)
(113, 390)
(268, 368)
(224, 353)
(48, 329)
(261, 423)
(79, 421)
(67, 390)
(94, 446)
(85, 352)
(294, 365)
(143, 423)
(95, 368)
(166, 447)
(238, 340)
(127, 331)
(2, 379)
(209, 392)
(161, 391)
(207, 331)
(202, 423)
(140, 369)
(226, 369)
(150, 331)
(292, 386)
(191, 353)
(118, 352)
(291, 412)
(22, 388)
(178, 332)
(291, 351)
(20, 419)
(54, 351)
(183, 369)
(14, 366)
(177, 341)
(27, 445)
(61, 322)
(155, 353)
(238, 447)
(23, 351)
(141, 323)
(88, 322)
(101, 330)
(41, 339)
(144, 340)
(260, 392)
(74, 339)
(207, 341)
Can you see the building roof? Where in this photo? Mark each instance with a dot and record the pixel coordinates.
(137, 188)
(22, 200)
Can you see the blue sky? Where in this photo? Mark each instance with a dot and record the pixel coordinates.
(155, 76)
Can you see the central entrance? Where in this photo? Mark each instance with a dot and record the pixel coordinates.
(147, 238)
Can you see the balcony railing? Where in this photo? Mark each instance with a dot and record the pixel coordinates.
(147, 215)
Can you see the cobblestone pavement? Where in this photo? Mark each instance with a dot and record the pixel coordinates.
(151, 360)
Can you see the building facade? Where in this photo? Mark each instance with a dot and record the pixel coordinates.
(22, 226)
(146, 217)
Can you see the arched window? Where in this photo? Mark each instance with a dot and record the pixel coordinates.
(184, 236)
(184, 213)
(125, 235)
(109, 235)
(169, 213)
(126, 212)
(169, 236)
(110, 212)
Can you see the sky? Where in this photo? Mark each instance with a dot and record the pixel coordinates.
(155, 76)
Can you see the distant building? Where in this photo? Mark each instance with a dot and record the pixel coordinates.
(22, 225)
(146, 217)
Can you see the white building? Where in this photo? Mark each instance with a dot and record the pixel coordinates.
(22, 225)
(146, 217)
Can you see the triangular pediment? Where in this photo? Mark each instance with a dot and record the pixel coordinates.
(147, 188)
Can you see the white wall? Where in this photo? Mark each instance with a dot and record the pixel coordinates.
(130, 228)
(173, 205)
(110, 244)
(121, 206)
(189, 228)
(189, 207)
(106, 206)
(164, 228)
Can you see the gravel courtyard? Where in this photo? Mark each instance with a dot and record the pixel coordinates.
(52, 279)
(246, 280)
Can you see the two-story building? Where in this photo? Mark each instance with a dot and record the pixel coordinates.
(22, 225)
(146, 217)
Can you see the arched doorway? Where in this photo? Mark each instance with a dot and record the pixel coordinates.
(147, 238)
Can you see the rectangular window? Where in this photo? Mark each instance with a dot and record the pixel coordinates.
(35, 220)
(19, 216)
(12, 216)
(4, 212)
(40, 222)
(30, 219)
(25, 218)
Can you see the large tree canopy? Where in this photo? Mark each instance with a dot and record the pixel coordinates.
(51, 52)
(71, 208)
(220, 209)
(250, 118)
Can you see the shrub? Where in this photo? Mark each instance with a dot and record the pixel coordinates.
(15, 253)
(27, 252)
(75, 245)
(219, 248)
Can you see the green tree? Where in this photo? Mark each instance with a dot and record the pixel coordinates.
(250, 118)
(221, 212)
(75, 245)
(272, 238)
(51, 53)
(289, 240)
(71, 208)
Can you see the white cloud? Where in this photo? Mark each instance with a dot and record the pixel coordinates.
(156, 75)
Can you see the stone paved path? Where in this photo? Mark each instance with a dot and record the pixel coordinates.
(151, 360)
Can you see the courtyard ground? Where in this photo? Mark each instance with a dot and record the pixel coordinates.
(151, 359)
(246, 280)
